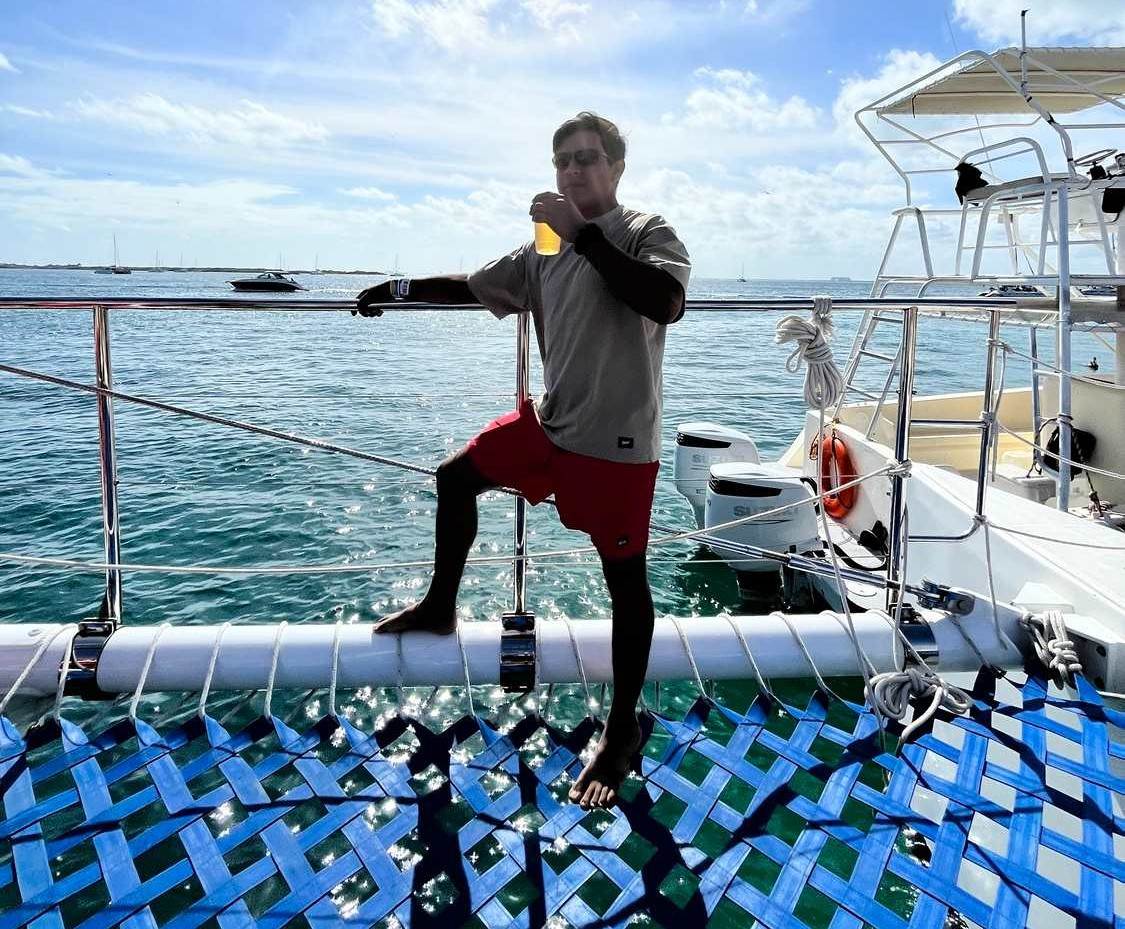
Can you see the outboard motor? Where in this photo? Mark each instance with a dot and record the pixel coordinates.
(698, 447)
(737, 490)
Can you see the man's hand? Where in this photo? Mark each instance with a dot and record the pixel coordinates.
(558, 213)
(366, 300)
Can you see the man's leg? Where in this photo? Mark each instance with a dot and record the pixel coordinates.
(459, 483)
(633, 621)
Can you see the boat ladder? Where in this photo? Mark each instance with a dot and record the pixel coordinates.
(864, 348)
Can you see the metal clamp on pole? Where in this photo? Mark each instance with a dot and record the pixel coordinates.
(938, 597)
(517, 652)
(82, 675)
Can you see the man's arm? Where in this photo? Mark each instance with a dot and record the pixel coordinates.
(641, 286)
(446, 289)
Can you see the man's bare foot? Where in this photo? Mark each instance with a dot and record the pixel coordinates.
(600, 780)
(418, 617)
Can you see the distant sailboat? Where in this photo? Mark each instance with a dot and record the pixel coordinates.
(116, 269)
(742, 274)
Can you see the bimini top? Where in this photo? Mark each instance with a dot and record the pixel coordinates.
(1063, 80)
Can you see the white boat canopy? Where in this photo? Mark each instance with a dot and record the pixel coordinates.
(1064, 80)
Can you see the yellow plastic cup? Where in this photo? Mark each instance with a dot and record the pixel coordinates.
(547, 241)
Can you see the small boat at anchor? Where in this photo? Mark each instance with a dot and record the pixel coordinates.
(269, 281)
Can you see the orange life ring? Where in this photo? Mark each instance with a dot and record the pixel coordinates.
(836, 468)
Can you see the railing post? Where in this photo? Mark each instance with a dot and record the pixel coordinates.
(1062, 361)
(107, 457)
(1036, 406)
(523, 352)
(987, 414)
(897, 541)
(518, 667)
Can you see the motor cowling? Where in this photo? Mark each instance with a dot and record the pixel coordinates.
(736, 490)
(699, 445)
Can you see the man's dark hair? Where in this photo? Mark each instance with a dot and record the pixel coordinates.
(610, 135)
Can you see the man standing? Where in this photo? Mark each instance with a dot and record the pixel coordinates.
(600, 309)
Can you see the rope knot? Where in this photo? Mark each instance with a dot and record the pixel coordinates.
(1053, 645)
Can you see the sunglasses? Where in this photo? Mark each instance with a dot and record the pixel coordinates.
(584, 157)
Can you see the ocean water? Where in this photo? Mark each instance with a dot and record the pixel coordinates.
(412, 386)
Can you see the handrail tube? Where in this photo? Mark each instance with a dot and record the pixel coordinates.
(1062, 344)
(717, 304)
(107, 460)
(896, 540)
(987, 416)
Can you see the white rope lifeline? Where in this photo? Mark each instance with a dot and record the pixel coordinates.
(202, 711)
(135, 702)
(43, 646)
(268, 703)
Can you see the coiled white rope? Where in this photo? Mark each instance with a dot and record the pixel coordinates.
(1053, 645)
(763, 684)
(823, 382)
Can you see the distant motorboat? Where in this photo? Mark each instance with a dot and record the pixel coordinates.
(1014, 290)
(1098, 290)
(271, 280)
(839, 279)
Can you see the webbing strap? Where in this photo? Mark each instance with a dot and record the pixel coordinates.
(759, 811)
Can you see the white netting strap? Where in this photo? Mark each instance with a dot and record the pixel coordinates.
(145, 668)
(690, 656)
(68, 654)
(890, 695)
(334, 674)
(581, 665)
(267, 704)
(465, 668)
(47, 642)
(211, 670)
(1053, 645)
(823, 382)
(763, 684)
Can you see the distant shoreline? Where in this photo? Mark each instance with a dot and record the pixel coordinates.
(9, 266)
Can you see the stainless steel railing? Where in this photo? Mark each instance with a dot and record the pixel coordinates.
(101, 306)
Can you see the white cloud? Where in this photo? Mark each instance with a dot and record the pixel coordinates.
(998, 21)
(368, 193)
(450, 24)
(900, 66)
(19, 166)
(556, 14)
(6, 65)
(26, 111)
(249, 125)
(735, 100)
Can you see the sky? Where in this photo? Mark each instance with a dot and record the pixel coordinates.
(361, 133)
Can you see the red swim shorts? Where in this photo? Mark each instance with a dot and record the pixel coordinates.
(610, 500)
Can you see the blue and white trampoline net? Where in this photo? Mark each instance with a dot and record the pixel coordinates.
(781, 815)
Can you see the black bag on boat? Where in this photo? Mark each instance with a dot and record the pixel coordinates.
(1082, 445)
(969, 177)
(1113, 200)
